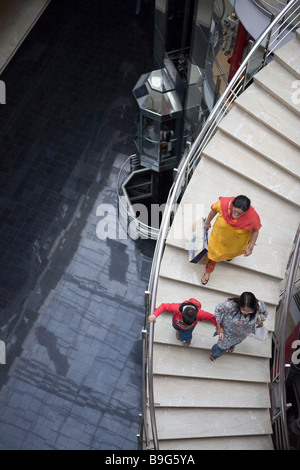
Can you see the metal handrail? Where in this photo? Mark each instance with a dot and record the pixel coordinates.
(286, 307)
(279, 376)
(235, 87)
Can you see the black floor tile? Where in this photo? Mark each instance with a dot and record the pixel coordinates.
(70, 315)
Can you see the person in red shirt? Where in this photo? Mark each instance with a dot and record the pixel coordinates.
(185, 317)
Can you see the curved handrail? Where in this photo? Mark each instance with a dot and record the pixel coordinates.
(234, 88)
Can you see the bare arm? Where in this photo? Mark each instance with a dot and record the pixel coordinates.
(251, 243)
(209, 218)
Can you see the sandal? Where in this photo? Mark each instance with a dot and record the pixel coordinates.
(212, 359)
(205, 278)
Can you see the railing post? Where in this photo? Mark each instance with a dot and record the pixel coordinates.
(247, 67)
(267, 44)
(147, 306)
(144, 424)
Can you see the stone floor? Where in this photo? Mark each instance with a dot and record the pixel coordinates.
(72, 304)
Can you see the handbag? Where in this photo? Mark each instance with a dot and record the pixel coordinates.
(198, 244)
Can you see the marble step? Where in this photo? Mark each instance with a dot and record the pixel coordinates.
(258, 442)
(203, 338)
(194, 422)
(171, 360)
(211, 180)
(184, 392)
(226, 278)
(236, 157)
(170, 291)
(289, 57)
(278, 81)
(270, 112)
(255, 135)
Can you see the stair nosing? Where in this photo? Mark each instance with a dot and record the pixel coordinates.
(238, 266)
(261, 185)
(259, 81)
(259, 152)
(266, 123)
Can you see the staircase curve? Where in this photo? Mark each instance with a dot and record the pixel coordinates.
(254, 151)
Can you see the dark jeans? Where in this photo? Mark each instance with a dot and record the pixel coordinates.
(216, 351)
(184, 335)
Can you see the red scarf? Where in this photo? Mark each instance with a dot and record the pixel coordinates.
(248, 221)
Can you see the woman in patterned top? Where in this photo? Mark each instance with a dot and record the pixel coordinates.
(236, 318)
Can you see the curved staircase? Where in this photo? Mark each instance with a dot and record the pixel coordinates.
(255, 151)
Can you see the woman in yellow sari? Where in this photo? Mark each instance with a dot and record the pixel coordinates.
(234, 233)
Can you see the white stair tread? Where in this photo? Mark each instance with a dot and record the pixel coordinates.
(270, 112)
(279, 83)
(192, 423)
(237, 158)
(254, 134)
(172, 360)
(170, 291)
(289, 56)
(221, 443)
(211, 180)
(204, 393)
(203, 338)
(226, 278)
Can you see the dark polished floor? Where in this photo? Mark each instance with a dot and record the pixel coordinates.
(72, 305)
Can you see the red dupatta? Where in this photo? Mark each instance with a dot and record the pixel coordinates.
(248, 221)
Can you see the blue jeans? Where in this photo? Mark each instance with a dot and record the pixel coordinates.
(216, 351)
(184, 335)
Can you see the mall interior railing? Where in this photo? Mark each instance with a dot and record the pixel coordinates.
(273, 36)
(280, 368)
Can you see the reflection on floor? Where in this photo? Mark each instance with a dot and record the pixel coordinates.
(72, 305)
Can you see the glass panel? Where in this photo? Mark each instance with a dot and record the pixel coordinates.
(151, 138)
(162, 103)
(167, 139)
(159, 81)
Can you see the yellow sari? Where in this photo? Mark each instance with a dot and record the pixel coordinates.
(225, 241)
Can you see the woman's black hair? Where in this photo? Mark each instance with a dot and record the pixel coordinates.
(189, 315)
(241, 202)
(247, 299)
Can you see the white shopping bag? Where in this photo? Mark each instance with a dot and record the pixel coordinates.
(260, 333)
(197, 245)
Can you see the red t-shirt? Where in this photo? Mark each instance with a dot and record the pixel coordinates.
(177, 309)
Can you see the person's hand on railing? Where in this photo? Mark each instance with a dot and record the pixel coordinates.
(151, 318)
